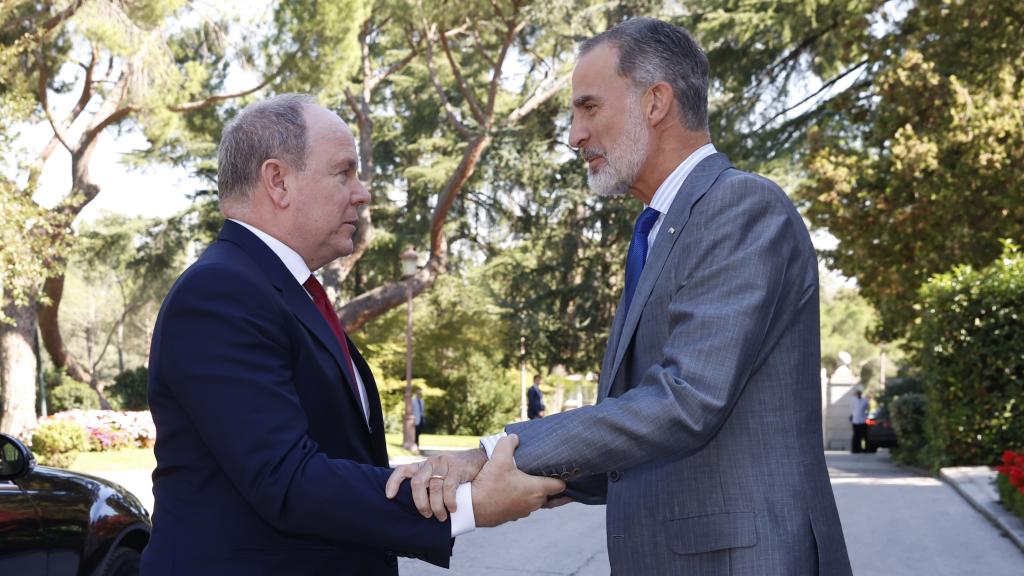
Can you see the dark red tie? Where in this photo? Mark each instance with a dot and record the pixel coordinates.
(327, 311)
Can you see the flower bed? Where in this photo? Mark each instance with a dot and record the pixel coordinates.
(1010, 482)
(108, 429)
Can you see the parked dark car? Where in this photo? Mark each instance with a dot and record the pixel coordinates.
(59, 523)
(880, 432)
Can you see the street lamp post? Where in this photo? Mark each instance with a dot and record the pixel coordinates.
(409, 261)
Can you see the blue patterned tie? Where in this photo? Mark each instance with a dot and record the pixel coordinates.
(637, 255)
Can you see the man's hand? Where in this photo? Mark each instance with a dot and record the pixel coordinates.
(502, 493)
(435, 480)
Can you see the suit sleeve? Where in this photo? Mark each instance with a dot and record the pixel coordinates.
(225, 355)
(740, 240)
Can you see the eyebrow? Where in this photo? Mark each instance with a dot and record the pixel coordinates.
(583, 100)
(346, 164)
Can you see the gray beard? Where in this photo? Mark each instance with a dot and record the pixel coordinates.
(623, 160)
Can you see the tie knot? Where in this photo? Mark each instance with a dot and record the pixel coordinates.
(315, 289)
(645, 221)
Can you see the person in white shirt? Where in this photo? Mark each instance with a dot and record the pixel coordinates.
(859, 418)
(418, 415)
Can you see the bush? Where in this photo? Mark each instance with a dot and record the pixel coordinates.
(908, 412)
(71, 394)
(1010, 482)
(969, 344)
(129, 389)
(894, 388)
(57, 443)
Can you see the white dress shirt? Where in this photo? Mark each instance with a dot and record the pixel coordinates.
(463, 519)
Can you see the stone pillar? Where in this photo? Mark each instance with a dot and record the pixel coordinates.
(838, 400)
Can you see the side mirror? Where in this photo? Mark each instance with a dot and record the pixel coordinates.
(16, 460)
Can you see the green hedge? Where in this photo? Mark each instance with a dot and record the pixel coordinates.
(58, 443)
(71, 395)
(908, 412)
(129, 389)
(969, 345)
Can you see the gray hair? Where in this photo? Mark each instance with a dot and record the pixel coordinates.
(652, 51)
(272, 128)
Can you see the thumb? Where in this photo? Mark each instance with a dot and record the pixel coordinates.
(551, 486)
(504, 449)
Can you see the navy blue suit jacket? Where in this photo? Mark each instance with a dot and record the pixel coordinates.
(534, 403)
(265, 464)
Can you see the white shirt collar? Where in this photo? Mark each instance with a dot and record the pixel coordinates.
(290, 258)
(666, 193)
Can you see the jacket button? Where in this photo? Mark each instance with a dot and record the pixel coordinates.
(614, 475)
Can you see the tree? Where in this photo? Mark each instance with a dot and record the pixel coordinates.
(923, 169)
(447, 72)
(906, 118)
(122, 62)
(118, 274)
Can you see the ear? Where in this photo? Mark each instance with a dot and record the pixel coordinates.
(660, 101)
(272, 180)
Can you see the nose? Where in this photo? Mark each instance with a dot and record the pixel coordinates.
(360, 195)
(578, 134)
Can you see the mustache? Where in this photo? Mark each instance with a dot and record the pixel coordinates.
(589, 154)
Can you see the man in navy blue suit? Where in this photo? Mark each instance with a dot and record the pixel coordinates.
(270, 446)
(535, 400)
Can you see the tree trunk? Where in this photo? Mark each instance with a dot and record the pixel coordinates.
(54, 341)
(18, 369)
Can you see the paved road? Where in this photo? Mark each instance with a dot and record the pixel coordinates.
(900, 523)
(897, 523)
(563, 541)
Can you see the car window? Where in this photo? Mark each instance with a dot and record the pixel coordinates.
(10, 459)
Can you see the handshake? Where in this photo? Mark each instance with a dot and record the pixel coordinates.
(501, 493)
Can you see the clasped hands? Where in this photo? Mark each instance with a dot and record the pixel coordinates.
(501, 492)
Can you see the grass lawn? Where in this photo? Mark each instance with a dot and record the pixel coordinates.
(126, 459)
(142, 458)
(430, 441)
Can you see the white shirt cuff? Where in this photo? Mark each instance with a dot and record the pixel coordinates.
(463, 520)
(489, 442)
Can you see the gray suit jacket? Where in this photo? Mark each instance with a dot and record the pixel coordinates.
(706, 439)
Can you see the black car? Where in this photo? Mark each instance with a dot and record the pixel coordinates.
(880, 433)
(59, 523)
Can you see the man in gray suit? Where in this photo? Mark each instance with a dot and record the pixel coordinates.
(706, 441)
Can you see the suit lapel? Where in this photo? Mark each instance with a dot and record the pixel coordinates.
(692, 189)
(294, 295)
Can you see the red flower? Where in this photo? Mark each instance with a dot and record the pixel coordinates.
(1017, 477)
(1009, 457)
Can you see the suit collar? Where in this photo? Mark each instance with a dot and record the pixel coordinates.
(692, 189)
(261, 254)
(289, 257)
